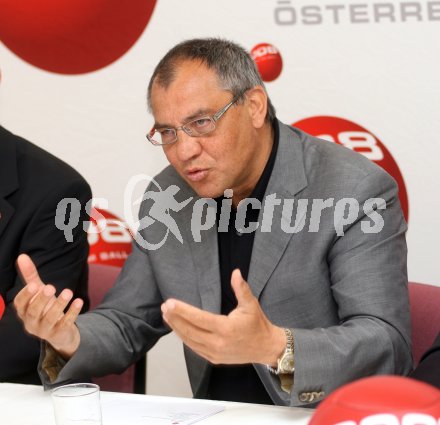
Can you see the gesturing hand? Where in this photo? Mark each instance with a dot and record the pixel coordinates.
(244, 336)
(42, 312)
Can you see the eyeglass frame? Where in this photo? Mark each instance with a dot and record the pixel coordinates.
(213, 118)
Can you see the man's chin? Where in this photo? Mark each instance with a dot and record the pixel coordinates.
(206, 192)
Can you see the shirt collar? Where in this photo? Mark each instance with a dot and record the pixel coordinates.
(261, 186)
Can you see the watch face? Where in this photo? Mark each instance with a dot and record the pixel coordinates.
(287, 364)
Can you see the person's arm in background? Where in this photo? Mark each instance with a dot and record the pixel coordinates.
(62, 263)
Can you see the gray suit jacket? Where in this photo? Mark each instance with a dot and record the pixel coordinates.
(345, 297)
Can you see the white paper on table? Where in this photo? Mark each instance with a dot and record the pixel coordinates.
(143, 412)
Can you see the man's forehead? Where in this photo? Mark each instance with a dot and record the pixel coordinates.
(195, 90)
(181, 68)
(187, 73)
(171, 114)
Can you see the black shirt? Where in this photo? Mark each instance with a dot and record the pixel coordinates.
(239, 382)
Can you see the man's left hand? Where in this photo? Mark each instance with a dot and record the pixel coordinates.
(243, 336)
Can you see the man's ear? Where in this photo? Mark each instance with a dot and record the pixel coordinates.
(257, 105)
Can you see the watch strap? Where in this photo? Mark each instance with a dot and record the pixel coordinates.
(290, 348)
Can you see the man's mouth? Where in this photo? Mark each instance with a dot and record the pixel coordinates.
(196, 174)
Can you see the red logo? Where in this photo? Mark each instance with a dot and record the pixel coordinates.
(2, 306)
(72, 37)
(109, 239)
(380, 400)
(268, 60)
(357, 138)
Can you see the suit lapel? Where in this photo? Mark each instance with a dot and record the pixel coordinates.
(205, 259)
(204, 254)
(206, 262)
(8, 176)
(6, 213)
(287, 180)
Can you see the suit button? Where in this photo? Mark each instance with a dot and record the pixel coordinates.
(311, 397)
(315, 396)
(304, 397)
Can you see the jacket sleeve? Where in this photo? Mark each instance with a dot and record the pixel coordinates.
(368, 279)
(121, 329)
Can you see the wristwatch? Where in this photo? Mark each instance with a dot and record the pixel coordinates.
(286, 363)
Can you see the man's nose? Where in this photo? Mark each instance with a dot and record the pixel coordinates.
(187, 147)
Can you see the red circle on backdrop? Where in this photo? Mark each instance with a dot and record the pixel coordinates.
(268, 61)
(380, 400)
(109, 239)
(359, 139)
(2, 306)
(72, 37)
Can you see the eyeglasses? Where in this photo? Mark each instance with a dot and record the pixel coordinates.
(195, 128)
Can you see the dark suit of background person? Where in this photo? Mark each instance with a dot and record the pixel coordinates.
(32, 182)
(428, 369)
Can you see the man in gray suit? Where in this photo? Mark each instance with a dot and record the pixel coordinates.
(315, 230)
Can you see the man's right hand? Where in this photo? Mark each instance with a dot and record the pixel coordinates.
(43, 313)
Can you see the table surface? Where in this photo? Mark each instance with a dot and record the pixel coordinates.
(30, 405)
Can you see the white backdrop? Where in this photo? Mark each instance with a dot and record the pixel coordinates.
(376, 64)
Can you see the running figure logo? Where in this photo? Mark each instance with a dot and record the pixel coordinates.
(164, 202)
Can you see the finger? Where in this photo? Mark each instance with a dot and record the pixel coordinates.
(205, 344)
(49, 305)
(187, 331)
(38, 303)
(194, 346)
(24, 297)
(201, 350)
(54, 309)
(241, 288)
(173, 309)
(195, 338)
(73, 312)
(28, 271)
(176, 321)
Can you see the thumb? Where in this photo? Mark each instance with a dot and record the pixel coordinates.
(28, 271)
(241, 288)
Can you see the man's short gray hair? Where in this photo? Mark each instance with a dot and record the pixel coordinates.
(234, 66)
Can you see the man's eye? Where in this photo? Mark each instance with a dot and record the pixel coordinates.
(202, 122)
(166, 132)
